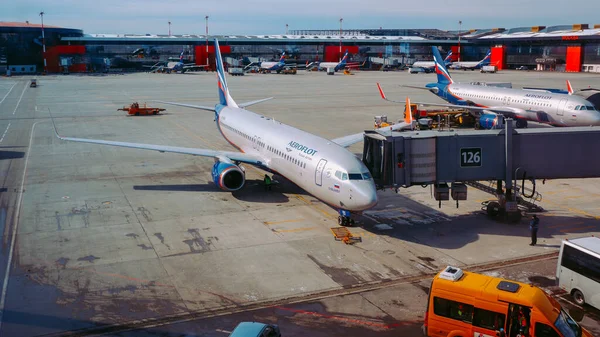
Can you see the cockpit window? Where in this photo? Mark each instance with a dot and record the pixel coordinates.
(355, 176)
(338, 174)
(366, 175)
(344, 176)
(578, 107)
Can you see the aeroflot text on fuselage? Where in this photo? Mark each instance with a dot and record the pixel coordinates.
(302, 148)
(538, 96)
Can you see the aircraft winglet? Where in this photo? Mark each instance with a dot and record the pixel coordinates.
(569, 88)
(381, 91)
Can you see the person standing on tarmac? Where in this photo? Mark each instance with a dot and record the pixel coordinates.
(533, 228)
(267, 182)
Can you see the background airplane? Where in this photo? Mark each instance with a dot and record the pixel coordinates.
(323, 168)
(337, 66)
(274, 66)
(472, 65)
(431, 64)
(488, 102)
(176, 66)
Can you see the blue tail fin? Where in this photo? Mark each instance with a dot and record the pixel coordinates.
(224, 97)
(345, 58)
(282, 59)
(486, 59)
(440, 68)
(448, 58)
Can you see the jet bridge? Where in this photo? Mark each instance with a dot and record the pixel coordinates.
(448, 159)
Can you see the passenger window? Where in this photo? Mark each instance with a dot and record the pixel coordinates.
(488, 319)
(543, 330)
(451, 309)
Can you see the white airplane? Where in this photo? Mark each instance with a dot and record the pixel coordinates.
(489, 102)
(431, 64)
(274, 66)
(472, 65)
(176, 66)
(322, 167)
(337, 66)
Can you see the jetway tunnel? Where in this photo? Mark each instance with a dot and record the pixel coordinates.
(449, 159)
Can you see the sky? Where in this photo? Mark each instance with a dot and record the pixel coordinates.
(230, 17)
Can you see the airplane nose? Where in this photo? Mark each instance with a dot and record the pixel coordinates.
(365, 197)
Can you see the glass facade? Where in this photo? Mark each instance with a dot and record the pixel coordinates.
(23, 45)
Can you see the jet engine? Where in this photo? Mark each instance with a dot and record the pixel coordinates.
(490, 121)
(229, 177)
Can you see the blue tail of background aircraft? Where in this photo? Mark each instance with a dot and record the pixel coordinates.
(221, 82)
(485, 61)
(443, 76)
(342, 63)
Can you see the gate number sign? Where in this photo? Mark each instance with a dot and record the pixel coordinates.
(470, 157)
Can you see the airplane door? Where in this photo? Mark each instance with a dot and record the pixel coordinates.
(319, 172)
(561, 106)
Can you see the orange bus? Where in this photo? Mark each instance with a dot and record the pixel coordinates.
(465, 304)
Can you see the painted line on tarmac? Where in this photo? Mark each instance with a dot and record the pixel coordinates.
(11, 248)
(20, 98)
(346, 319)
(11, 88)
(304, 229)
(282, 221)
(4, 134)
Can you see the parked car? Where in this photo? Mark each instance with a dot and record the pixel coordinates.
(523, 68)
(255, 329)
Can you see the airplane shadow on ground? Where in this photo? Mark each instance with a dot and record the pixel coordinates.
(412, 221)
(253, 190)
(11, 155)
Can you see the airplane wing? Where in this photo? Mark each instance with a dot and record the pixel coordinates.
(234, 156)
(204, 107)
(201, 107)
(358, 137)
(434, 90)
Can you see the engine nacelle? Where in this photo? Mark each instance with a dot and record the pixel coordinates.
(228, 177)
(491, 121)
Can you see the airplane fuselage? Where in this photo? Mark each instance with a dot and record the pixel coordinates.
(320, 167)
(548, 108)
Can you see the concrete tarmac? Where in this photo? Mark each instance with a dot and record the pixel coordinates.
(109, 236)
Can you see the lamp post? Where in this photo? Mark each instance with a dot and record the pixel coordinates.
(169, 28)
(43, 42)
(459, 28)
(206, 18)
(341, 19)
(286, 29)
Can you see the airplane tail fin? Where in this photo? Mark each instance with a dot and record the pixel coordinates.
(282, 59)
(440, 68)
(448, 58)
(408, 117)
(486, 59)
(569, 88)
(345, 58)
(224, 97)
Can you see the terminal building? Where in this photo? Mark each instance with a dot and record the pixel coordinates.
(572, 48)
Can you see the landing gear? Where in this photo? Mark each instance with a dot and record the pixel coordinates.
(344, 219)
(521, 123)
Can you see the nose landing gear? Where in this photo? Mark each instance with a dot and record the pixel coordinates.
(345, 219)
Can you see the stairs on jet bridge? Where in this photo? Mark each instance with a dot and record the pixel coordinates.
(529, 204)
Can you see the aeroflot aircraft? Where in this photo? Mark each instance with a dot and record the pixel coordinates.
(274, 66)
(335, 65)
(322, 167)
(472, 65)
(523, 105)
(431, 64)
